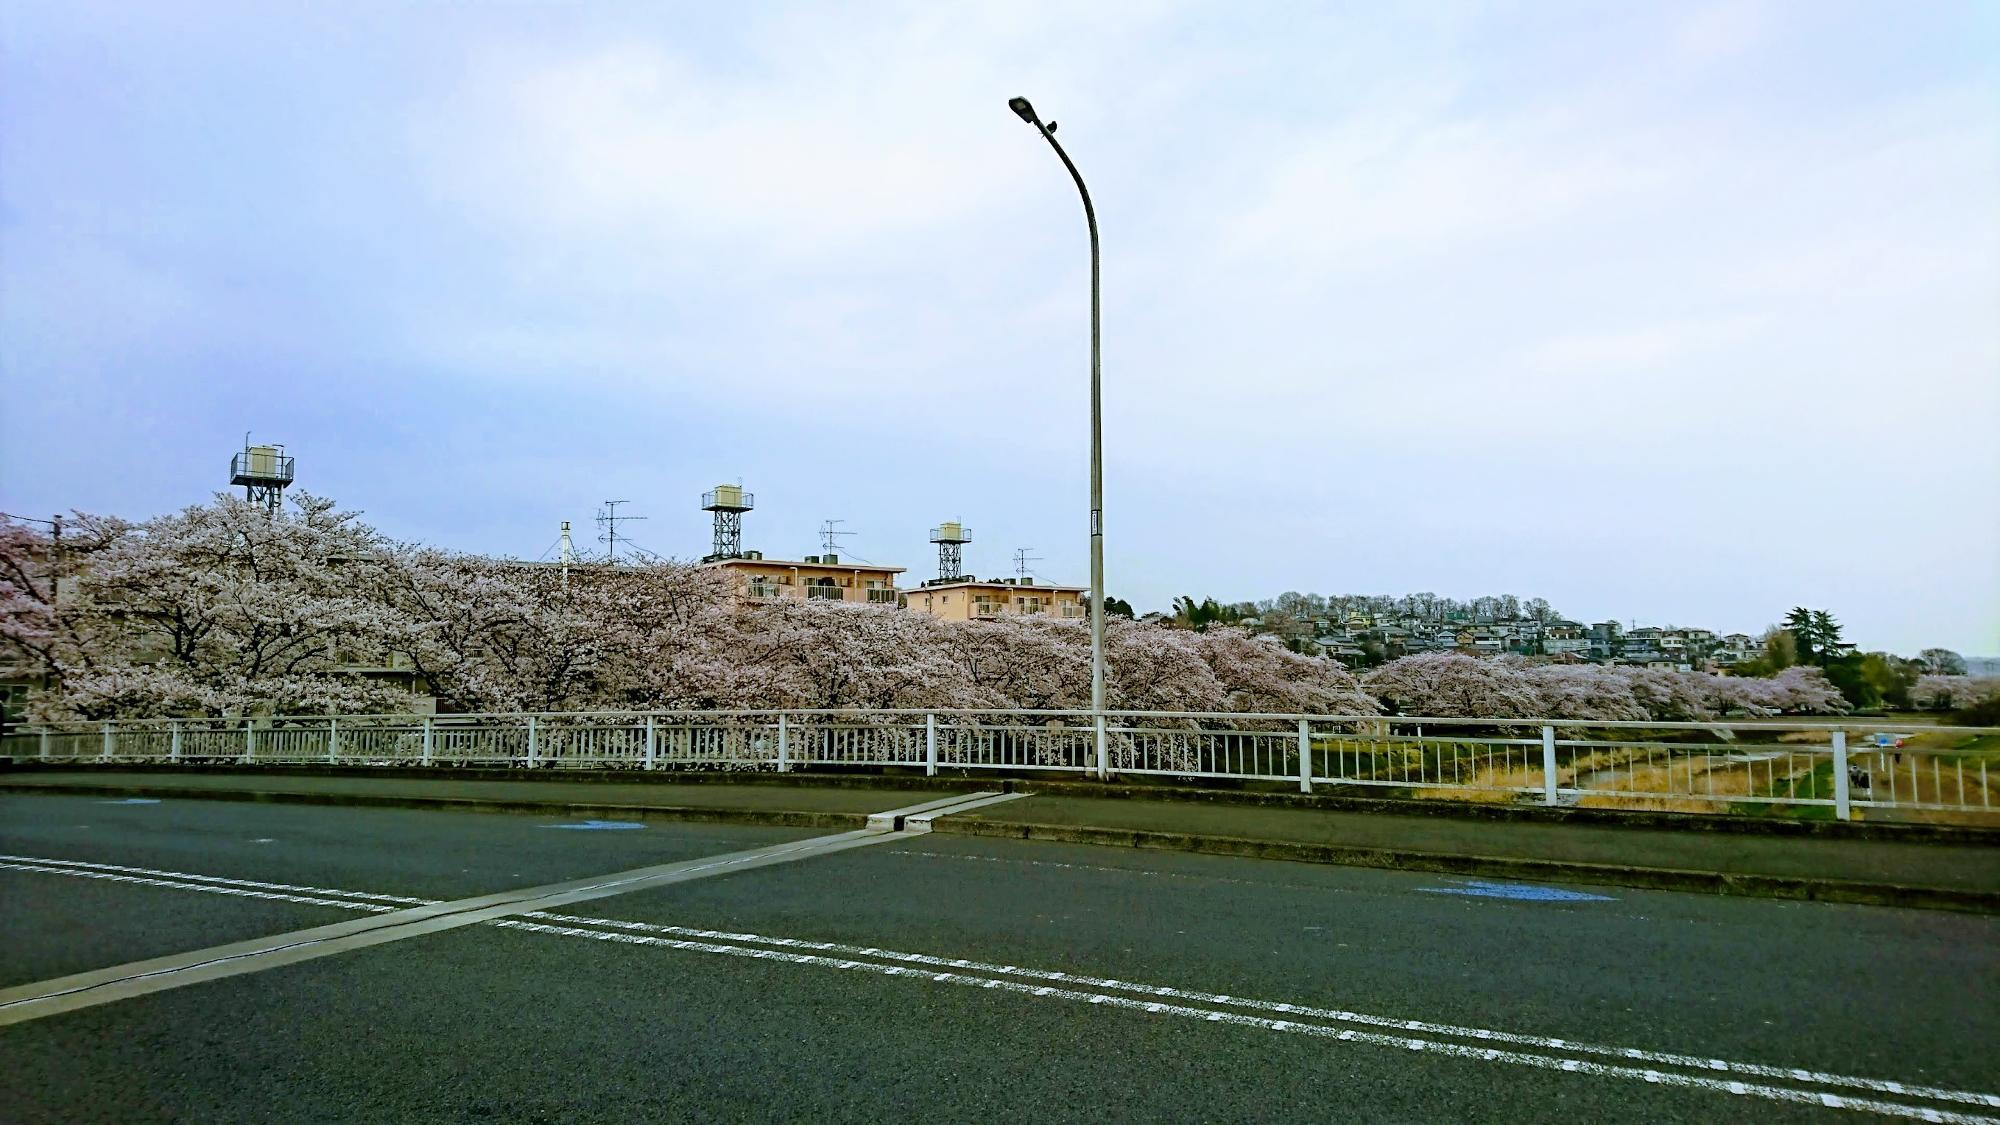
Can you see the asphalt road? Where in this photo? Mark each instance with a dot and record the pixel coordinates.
(945, 976)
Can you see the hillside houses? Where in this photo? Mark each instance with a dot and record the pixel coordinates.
(1370, 638)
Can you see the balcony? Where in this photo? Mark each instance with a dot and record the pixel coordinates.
(769, 588)
(987, 609)
(728, 500)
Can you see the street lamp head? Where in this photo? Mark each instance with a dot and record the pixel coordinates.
(1026, 112)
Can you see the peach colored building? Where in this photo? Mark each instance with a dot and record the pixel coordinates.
(966, 599)
(815, 576)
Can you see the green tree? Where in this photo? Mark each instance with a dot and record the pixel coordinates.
(1826, 635)
(1846, 674)
(1117, 607)
(1799, 623)
(1198, 616)
(1891, 677)
(1780, 651)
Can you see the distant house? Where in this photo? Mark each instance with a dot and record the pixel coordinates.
(815, 577)
(966, 599)
(1565, 638)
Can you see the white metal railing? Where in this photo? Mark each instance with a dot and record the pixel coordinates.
(1728, 764)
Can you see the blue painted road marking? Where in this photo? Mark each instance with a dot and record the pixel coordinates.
(1523, 892)
(132, 801)
(600, 825)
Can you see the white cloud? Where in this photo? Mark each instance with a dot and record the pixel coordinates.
(1638, 349)
(1715, 31)
(1388, 183)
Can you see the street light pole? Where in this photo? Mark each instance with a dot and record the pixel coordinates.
(1027, 113)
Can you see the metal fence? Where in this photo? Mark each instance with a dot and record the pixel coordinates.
(1714, 766)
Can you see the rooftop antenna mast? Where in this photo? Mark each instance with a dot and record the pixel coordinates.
(951, 539)
(829, 536)
(566, 552)
(608, 519)
(1021, 560)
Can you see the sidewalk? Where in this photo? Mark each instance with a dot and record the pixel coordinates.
(1959, 874)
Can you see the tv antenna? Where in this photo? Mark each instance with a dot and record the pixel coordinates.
(829, 536)
(609, 519)
(1021, 560)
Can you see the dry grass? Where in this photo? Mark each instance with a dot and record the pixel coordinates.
(1490, 786)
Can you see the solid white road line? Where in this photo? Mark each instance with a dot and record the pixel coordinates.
(1480, 1034)
(926, 965)
(81, 990)
(117, 982)
(1345, 1035)
(402, 899)
(178, 884)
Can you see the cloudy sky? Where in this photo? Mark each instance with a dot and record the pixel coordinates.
(1680, 313)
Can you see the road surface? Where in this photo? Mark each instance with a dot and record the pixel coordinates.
(943, 976)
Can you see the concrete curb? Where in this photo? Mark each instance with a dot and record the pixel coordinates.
(784, 818)
(1500, 867)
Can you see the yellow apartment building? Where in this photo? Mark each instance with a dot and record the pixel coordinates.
(813, 577)
(967, 599)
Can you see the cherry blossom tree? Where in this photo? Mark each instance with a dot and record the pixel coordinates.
(1261, 675)
(1953, 693)
(223, 607)
(1453, 685)
(227, 608)
(1582, 691)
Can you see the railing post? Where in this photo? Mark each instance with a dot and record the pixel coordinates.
(1842, 808)
(427, 739)
(174, 744)
(1103, 751)
(1548, 765)
(930, 744)
(531, 742)
(784, 744)
(43, 743)
(652, 754)
(108, 736)
(1305, 755)
(333, 742)
(249, 739)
